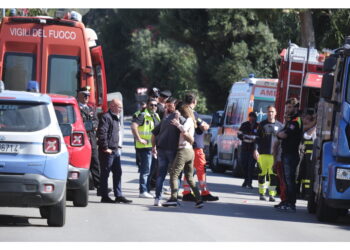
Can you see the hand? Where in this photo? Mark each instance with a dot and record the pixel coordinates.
(177, 114)
(108, 151)
(154, 151)
(256, 155)
(175, 122)
(143, 141)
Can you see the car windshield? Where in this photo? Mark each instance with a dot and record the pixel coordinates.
(64, 113)
(23, 117)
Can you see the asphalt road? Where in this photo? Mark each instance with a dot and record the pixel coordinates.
(239, 216)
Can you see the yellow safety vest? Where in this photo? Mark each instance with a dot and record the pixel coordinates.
(145, 130)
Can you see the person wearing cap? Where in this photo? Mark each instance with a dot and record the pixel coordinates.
(163, 97)
(291, 136)
(91, 124)
(247, 134)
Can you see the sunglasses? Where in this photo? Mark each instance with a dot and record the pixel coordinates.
(86, 96)
(152, 105)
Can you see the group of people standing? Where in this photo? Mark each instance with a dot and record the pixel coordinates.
(168, 137)
(277, 150)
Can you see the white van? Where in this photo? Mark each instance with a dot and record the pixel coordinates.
(250, 94)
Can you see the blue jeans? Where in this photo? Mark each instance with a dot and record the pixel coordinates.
(145, 155)
(290, 162)
(248, 164)
(165, 158)
(108, 163)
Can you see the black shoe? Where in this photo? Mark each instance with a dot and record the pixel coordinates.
(272, 199)
(279, 205)
(170, 203)
(262, 197)
(244, 185)
(209, 197)
(199, 204)
(250, 186)
(188, 197)
(122, 199)
(107, 200)
(99, 191)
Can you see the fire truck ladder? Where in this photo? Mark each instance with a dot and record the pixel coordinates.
(299, 59)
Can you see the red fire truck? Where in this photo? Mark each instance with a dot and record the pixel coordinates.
(300, 76)
(59, 53)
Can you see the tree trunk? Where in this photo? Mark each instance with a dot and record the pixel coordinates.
(307, 29)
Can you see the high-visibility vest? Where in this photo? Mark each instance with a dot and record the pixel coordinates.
(145, 130)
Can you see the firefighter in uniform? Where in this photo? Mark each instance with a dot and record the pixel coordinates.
(264, 146)
(142, 125)
(291, 136)
(305, 168)
(91, 124)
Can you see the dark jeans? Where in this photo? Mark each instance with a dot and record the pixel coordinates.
(248, 164)
(110, 162)
(290, 162)
(145, 155)
(165, 158)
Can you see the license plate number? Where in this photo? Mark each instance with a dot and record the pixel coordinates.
(9, 148)
(343, 174)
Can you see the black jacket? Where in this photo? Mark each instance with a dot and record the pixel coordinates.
(247, 133)
(108, 131)
(89, 115)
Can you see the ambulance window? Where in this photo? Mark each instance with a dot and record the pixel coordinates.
(260, 108)
(63, 75)
(236, 111)
(19, 69)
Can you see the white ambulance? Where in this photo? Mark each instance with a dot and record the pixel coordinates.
(250, 94)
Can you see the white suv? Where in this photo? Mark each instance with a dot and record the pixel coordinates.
(33, 155)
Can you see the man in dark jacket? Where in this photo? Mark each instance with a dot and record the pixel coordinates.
(109, 152)
(91, 123)
(247, 133)
(291, 136)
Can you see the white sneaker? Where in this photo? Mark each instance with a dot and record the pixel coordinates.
(157, 202)
(146, 195)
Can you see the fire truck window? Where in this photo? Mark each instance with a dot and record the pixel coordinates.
(98, 84)
(18, 70)
(63, 75)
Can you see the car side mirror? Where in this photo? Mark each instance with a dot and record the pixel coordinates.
(88, 126)
(327, 86)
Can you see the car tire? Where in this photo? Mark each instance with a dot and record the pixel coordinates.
(81, 196)
(215, 166)
(44, 212)
(325, 213)
(57, 213)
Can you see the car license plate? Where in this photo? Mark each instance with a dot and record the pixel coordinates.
(9, 148)
(343, 174)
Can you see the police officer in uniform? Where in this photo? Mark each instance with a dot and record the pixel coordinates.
(91, 124)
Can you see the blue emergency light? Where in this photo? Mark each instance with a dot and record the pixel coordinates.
(33, 86)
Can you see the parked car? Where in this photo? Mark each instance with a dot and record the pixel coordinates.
(78, 145)
(210, 136)
(33, 155)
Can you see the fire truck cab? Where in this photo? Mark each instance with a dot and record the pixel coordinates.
(59, 53)
(250, 94)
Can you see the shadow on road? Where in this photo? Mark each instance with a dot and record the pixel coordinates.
(17, 221)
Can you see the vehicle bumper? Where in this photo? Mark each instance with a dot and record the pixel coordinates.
(77, 177)
(27, 190)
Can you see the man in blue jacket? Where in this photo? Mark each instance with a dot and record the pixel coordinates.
(109, 152)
